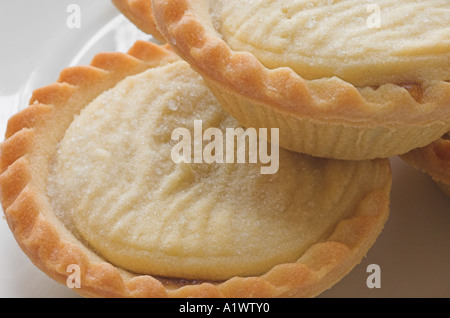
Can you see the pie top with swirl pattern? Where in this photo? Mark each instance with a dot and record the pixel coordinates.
(88, 179)
(114, 182)
(366, 44)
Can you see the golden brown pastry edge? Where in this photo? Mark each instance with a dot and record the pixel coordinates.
(52, 248)
(254, 95)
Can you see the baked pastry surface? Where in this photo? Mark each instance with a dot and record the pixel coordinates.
(434, 160)
(321, 39)
(330, 98)
(140, 13)
(193, 221)
(86, 180)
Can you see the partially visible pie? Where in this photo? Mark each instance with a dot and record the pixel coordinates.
(87, 179)
(140, 14)
(341, 79)
(434, 160)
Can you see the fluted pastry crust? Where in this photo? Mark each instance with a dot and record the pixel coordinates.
(325, 117)
(30, 144)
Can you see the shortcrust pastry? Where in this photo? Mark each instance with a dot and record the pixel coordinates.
(434, 160)
(341, 79)
(140, 13)
(87, 179)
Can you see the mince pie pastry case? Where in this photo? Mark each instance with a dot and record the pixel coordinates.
(87, 176)
(335, 85)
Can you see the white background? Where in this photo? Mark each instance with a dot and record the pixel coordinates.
(413, 251)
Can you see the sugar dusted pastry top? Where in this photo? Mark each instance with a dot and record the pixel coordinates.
(33, 184)
(113, 182)
(338, 38)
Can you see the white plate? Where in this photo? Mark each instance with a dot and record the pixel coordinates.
(412, 253)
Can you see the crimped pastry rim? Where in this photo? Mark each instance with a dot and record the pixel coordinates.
(51, 247)
(243, 74)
